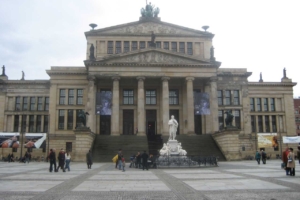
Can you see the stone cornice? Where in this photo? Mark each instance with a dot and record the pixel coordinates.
(246, 74)
(66, 73)
(25, 82)
(150, 64)
(272, 84)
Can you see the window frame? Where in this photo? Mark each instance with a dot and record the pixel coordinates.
(128, 96)
(110, 47)
(150, 97)
(173, 98)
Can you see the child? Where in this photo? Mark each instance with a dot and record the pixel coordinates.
(123, 163)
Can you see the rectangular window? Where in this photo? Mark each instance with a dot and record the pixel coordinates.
(267, 123)
(126, 46)
(142, 45)
(158, 45)
(31, 124)
(40, 103)
(260, 124)
(181, 47)
(221, 119)
(150, 97)
(110, 47)
(32, 103)
(46, 123)
(190, 48)
(272, 104)
(61, 119)
(18, 103)
(174, 46)
(23, 123)
(253, 124)
(173, 97)
(227, 97)
(46, 103)
(237, 118)
(252, 107)
(79, 96)
(79, 120)
(69, 146)
(38, 123)
(71, 97)
(128, 97)
(70, 120)
(25, 103)
(266, 106)
(62, 96)
(166, 45)
(118, 47)
(258, 103)
(16, 123)
(134, 46)
(220, 97)
(274, 124)
(236, 97)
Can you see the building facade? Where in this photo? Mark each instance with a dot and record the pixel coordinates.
(137, 75)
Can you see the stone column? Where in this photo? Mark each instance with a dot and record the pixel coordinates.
(115, 107)
(165, 105)
(214, 104)
(190, 105)
(90, 104)
(141, 107)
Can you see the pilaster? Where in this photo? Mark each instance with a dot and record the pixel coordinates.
(115, 130)
(165, 105)
(190, 105)
(141, 107)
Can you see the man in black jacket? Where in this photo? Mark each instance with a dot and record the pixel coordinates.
(52, 160)
(145, 160)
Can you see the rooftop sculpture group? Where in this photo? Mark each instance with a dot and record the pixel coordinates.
(149, 11)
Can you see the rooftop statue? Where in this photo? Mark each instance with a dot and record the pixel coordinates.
(3, 71)
(149, 11)
(23, 76)
(229, 119)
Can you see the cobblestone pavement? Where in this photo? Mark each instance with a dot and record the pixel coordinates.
(231, 180)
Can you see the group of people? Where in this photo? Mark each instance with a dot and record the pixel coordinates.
(261, 156)
(24, 159)
(64, 159)
(288, 159)
(139, 160)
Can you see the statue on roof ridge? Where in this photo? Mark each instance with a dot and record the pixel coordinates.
(149, 11)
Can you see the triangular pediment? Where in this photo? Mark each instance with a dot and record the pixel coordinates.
(145, 27)
(153, 56)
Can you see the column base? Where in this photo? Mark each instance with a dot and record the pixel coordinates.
(191, 133)
(141, 134)
(115, 134)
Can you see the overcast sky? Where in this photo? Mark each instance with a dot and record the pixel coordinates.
(260, 35)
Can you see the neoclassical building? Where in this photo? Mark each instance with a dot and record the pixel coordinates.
(137, 75)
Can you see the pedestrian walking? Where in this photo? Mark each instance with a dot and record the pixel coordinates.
(89, 160)
(26, 156)
(68, 160)
(263, 157)
(285, 160)
(61, 160)
(298, 154)
(291, 162)
(145, 160)
(257, 157)
(52, 159)
(123, 163)
(117, 160)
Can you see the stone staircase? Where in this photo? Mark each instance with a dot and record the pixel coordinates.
(106, 146)
(155, 143)
(199, 145)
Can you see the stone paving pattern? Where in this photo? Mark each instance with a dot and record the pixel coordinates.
(231, 180)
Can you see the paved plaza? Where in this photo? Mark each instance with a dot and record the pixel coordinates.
(231, 180)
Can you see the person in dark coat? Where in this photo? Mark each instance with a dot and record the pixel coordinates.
(263, 157)
(138, 160)
(145, 160)
(61, 160)
(52, 159)
(285, 160)
(89, 160)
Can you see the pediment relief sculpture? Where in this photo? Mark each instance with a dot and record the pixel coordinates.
(154, 57)
(148, 27)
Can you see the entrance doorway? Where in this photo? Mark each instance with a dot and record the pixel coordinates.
(105, 124)
(176, 116)
(151, 122)
(198, 124)
(128, 122)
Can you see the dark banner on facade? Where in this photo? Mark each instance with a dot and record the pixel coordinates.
(31, 140)
(103, 103)
(201, 104)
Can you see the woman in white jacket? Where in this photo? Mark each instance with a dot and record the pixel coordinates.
(68, 159)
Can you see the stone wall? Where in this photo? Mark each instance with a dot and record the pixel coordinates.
(84, 142)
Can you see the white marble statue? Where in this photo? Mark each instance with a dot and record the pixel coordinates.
(181, 151)
(164, 151)
(173, 124)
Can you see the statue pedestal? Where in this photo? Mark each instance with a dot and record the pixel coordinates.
(172, 148)
(84, 142)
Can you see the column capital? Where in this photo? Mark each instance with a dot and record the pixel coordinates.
(189, 78)
(213, 79)
(91, 78)
(140, 78)
(165, 78)
(115, 78)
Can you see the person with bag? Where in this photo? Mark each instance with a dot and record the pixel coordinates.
(115, 159)
(123, 163)
(285, 160)
(291, 162)
(263, 157)
(61, 160)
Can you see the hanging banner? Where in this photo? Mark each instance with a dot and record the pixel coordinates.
(103, 103)
(201, 103)
(31, 140)
(265, 140)
(295, 139)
